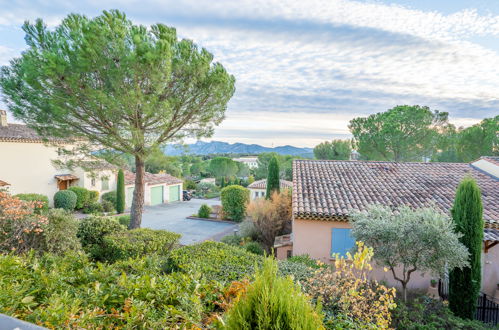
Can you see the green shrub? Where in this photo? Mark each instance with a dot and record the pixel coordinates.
(248, 229)
(91, 232)
(124, 220)
(214, 261)
(138, 242)
(93, 208)
(204, 211)
(426, 313)
(299, 271)
(189, 185)
(93, 196)
(42, 200)
(234, 199)
(234, 240)
(59, 235)
(108, 207)
(110, 197)
(120, 192)
(305, 260)
(65, 199)
(254, 247)
(82, 196)
(71, 292)
(273, 302)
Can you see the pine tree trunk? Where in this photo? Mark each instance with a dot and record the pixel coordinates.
(138, 194)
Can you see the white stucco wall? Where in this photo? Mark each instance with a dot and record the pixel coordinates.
(28, 168)
(86, 181)
(147, 193)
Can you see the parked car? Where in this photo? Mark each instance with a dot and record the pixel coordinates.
(187, 195)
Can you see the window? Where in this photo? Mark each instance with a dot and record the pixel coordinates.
(341, 241)
(93, 182)
(289, 253)
(105, 184)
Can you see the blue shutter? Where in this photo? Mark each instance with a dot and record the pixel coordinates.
(341, 241)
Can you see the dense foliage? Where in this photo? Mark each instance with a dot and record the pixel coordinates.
(273, 181)
(465, 283)
(82, 196)
(65, 199)
(59, 233)
(120, 192)
(42, 200)
(91, 232)
(334, 150)
(234, 199)
(110, 197)
(285, 165)
(347, 290)
(273, 302)
(416, 239)
(204, 211)
(271, 218)
(403, 133)
(138, 242)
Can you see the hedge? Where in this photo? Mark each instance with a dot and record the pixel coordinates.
(138, 242)
(110, 196)
(82, 196)
(91, 232)
(204, 211)
(234, 199)
(42, 199)
(65, 199)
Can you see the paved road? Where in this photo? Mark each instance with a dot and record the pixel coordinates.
(172, 217)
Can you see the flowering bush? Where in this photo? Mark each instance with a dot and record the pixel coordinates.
(20, 226)
(346, 289)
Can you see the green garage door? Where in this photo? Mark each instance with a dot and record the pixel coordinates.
(157, 195)
(129, 196)
(174, 193)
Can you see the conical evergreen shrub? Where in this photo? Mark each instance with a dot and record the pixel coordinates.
(273, 302)
(465, 283)
(120, 192)
(273, 183)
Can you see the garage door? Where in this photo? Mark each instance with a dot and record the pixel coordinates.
(157, 195)
(129, 196)
(174, 193)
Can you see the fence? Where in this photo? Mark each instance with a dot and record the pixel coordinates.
(487, 309)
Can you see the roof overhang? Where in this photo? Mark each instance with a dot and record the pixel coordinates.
(66, 177)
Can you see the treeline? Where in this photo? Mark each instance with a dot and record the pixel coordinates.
(414, 133)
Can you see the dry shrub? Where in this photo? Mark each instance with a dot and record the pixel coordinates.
(271, 217)
(346, 289)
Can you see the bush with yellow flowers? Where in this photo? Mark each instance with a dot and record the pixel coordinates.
(347, 293)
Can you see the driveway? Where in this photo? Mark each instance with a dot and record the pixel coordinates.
(172, 217)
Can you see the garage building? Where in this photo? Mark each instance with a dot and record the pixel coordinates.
(159, 188)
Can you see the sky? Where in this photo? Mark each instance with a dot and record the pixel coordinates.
(304, 69)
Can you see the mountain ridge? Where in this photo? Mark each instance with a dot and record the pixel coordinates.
(219, 147)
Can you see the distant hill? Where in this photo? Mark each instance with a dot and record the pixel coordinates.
(217, 147)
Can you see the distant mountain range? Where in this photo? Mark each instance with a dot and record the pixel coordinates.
(217, 147)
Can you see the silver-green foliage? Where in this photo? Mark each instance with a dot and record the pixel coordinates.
(421, 240)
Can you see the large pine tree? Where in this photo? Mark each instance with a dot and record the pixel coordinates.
(465, 283)
(273, 183)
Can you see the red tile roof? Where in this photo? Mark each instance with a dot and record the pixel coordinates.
(330, 189)
(152, 179)
(262, 184)
(3, 183)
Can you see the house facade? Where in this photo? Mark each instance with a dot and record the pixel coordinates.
(26, 166)
(251, 162)
(258, 189)
(325, 192)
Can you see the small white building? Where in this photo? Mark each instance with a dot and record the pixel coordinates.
(259, 188)
(251, 162)
(159, 188)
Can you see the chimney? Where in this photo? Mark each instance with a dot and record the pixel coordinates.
(3, 118)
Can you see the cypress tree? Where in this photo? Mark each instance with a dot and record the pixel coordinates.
(272, 178)
(120, 192)
(465, 284)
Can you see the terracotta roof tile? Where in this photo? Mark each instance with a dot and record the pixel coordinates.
(18, 133)
(262, 184)
(330, 189)
(152, 179)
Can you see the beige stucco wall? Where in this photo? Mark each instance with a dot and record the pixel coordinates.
(314, 238)
(85, 180)
(28, 168)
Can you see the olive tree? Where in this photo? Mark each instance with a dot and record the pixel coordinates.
(421, 240)
(115, 86)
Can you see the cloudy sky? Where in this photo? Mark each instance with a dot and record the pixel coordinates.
(305, 68)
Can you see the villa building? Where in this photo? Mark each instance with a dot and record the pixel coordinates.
(258, 188)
